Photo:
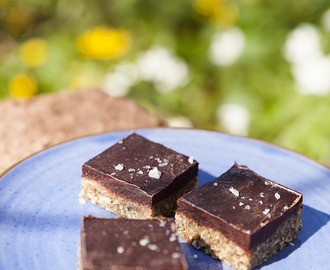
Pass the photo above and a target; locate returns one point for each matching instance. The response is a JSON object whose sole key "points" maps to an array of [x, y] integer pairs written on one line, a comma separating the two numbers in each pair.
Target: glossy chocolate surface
{"points": [[242, 204], [120, 242], [140, 169]]}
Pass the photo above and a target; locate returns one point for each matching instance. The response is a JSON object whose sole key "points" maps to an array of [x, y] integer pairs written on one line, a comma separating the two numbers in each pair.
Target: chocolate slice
{"points": [[138, 178], [120, 243], [241, 217]]}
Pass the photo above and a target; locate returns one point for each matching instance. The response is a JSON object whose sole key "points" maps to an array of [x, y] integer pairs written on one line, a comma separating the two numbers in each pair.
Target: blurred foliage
{"points": [[50, 45]]}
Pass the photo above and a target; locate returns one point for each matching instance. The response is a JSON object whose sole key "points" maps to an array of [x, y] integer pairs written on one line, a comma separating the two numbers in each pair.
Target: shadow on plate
{"points": [[198, 260], [204, 177]]}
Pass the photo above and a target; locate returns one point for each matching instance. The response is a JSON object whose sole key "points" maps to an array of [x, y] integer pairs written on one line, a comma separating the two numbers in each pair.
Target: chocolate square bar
{"points": [[240, 218], [138, 178], [120, 243]]}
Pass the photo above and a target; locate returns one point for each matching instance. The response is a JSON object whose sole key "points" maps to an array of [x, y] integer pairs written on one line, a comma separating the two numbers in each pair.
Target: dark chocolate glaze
{"points": [[136, 157], [120, 242], [243, 205]]}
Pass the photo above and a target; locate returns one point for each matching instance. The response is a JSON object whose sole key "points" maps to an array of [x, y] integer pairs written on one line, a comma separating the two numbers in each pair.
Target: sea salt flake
{"points": [[172, 237], [234, 191], [266, 211], [262, 194], [164, 163], [153, 247], [120, 250], [247, 207], [241, 203], [140, 172], [144, 241], [131, 170], [173, 228], [261, 202], [176, 255], [191, 160], [162, 223], [155, 173], [277, 196], [195, 256], [215, 184], [119, 167]]}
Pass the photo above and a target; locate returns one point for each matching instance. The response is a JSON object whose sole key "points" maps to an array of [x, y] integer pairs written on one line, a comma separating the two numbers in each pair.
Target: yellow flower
{"points": [[104, 42], [23, 85], [218, 11], [206, 7], [224, 15], [33, 52]]}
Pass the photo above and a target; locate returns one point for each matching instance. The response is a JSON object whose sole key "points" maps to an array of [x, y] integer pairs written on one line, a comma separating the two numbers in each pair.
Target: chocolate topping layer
{"points": [[242, 204], [140, 169], [120, 242]]}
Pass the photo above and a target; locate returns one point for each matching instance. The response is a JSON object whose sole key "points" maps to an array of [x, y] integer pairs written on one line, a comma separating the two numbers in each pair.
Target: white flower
{"points": [[179, 121], [227, 46], [119, 82], [167, 71], [235, 118], [326, 20], [309, 65], [302, 43], [313, 76]]}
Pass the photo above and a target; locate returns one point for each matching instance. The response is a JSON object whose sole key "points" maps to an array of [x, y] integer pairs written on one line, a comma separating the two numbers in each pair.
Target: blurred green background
{"points": [[249, 67]]}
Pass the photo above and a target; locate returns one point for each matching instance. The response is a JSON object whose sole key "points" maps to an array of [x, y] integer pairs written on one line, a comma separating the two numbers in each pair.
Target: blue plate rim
{"points": [[166, 128]]}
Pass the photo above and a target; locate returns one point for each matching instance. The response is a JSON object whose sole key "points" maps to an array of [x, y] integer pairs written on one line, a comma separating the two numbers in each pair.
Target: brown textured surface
{"points": [[28, 126]]}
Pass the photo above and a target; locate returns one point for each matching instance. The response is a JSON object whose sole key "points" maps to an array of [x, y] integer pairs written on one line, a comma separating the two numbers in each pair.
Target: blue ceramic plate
{"points": [[40, 213]]}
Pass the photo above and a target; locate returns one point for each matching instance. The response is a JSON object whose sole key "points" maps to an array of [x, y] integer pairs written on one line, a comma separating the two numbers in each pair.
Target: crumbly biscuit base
{"points": [[216, 244], [122, 206], [79, 262]]}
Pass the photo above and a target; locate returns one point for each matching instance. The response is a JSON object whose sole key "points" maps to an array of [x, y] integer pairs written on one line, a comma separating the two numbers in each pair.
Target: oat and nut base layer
{"points": [[220, 247], [122, 206]]}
